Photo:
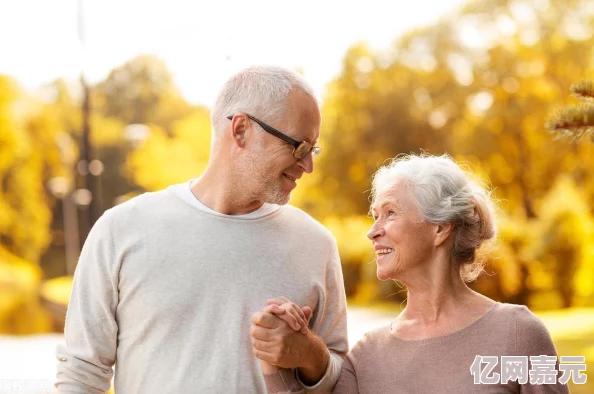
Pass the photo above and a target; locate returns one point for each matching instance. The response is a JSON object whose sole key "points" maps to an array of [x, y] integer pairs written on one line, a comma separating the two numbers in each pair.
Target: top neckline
{"points": [[453, 335]]}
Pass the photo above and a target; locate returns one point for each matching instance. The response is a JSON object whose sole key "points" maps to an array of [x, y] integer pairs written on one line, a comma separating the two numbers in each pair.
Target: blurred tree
{"points": [[367, 118], [563, 246], [166, 159], [110, 142], [29, 157], [141, 91], [353, 246], [576, 121], [476, 85], [20, 308]]}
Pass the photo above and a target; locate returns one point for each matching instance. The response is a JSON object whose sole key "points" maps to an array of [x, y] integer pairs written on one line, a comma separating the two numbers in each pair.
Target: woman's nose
{"points": [[375, 231]]}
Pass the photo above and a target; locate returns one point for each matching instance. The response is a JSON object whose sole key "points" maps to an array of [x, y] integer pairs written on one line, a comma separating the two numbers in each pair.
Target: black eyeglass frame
{"points": [[300, 149]]}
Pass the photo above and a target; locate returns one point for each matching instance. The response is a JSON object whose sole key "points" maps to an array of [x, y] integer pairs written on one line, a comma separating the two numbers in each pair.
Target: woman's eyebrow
{"points": [[386, 203]]}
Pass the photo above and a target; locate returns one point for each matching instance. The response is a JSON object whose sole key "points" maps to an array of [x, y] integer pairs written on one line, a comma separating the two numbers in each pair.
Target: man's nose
{"points": [[306, 163]]}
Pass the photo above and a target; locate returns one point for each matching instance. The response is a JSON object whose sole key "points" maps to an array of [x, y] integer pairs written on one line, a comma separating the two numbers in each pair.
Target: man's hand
{"points": [[277, 344], [275, 341]]}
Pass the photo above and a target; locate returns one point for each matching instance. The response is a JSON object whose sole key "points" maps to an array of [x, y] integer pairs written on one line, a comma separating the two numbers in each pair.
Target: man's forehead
{"points": [[304, 117], [302, 131]]}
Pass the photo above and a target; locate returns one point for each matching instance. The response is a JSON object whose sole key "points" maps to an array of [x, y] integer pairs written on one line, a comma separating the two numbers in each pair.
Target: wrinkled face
{"points": [[271, 168], [403, 242]]}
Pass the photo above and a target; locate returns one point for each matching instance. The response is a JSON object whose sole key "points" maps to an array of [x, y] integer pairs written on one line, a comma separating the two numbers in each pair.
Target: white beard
{"points": [[269, 190]]}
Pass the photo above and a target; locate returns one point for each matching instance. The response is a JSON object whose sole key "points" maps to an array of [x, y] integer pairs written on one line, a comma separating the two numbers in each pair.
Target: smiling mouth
{"points": [[290, 177], [383, 252]]}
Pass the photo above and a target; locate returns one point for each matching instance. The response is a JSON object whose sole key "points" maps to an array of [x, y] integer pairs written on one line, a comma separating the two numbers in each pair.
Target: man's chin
{"points": [[280, 201], [279, 198]]}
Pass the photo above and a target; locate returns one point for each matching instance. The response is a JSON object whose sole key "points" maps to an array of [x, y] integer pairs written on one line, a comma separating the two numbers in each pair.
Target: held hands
{"points": [[290, 312], [280, 334]]}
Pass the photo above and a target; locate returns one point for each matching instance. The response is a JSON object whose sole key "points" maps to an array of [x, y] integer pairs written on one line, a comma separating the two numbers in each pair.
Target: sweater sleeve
{"points": [[347, 383], [85, 362], [283, 382], [533, 339], [330, 324]]}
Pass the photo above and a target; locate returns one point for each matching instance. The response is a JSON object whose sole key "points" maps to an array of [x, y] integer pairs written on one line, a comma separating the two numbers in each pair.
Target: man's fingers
{"points": [[263, 346], [264, 356], [261, 333], [265, 320]]}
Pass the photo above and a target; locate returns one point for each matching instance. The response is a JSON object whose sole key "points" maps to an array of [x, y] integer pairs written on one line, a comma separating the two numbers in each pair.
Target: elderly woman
{"points": [[430, 218]]}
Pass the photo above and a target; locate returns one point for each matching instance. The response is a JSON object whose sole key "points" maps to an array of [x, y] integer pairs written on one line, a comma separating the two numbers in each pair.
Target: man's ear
{"points": [[442, 232], [239, 126]]}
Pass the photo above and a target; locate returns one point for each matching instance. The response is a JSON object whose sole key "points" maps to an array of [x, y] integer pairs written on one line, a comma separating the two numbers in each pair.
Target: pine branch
{"points": [[583, 90], [575, 122]]}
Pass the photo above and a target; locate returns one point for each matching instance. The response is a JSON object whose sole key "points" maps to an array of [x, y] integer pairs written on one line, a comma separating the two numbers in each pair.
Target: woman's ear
{"points": [[442, 232]]}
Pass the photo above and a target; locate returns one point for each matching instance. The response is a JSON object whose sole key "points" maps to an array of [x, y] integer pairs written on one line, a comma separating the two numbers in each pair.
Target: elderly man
{"points": [[169, 283]]}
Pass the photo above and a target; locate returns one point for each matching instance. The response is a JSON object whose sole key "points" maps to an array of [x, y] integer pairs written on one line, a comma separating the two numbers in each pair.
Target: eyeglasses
{"points": [[300, 149]]}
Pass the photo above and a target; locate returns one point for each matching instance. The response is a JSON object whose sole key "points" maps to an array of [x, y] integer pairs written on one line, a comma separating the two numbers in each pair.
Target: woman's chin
{"points": [[389, 271], [383, 275]]}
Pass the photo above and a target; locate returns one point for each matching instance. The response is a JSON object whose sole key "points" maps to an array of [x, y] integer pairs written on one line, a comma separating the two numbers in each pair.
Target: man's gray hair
{"points": [[261, 91], [444, 193]]}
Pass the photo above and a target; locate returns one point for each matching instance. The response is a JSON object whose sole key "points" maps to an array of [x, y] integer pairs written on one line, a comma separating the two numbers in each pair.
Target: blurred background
{"points": [[102, 101]]}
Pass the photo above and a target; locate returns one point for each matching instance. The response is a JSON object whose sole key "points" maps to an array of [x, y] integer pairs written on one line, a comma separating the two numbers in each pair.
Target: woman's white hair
{"points": [[261, 91], [444, 193]]}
